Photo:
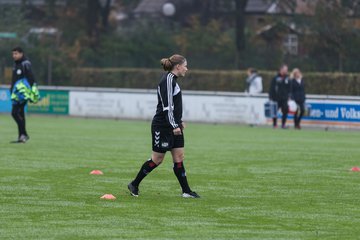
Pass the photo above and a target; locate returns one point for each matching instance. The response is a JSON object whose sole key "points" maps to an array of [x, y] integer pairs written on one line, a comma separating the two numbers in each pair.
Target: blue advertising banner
{"points": [[334, 112], [5, 102], [331, 113]]}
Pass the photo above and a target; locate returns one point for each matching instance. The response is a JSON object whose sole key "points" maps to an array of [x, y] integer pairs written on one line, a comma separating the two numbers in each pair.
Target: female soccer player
{"points": [[167, 127]]}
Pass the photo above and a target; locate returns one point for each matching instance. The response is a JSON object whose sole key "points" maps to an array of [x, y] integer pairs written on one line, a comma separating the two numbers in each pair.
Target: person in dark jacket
{"points": [[167, 127], [22, 79], [298, 95], [280, 92]]}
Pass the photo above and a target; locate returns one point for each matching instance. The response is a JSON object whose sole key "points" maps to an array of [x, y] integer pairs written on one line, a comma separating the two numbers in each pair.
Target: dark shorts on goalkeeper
{"points": [[163, 139]]}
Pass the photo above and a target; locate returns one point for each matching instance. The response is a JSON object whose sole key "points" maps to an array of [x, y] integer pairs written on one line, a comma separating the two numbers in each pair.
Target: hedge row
{"points": [[233, 81]]}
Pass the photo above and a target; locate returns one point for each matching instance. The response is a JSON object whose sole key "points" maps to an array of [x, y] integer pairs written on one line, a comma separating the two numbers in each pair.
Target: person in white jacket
{"points": [[253, 86], [253, 82]]}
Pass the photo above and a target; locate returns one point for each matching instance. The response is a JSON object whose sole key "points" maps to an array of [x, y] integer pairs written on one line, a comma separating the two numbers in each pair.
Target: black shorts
{"points": [[163, 139]]}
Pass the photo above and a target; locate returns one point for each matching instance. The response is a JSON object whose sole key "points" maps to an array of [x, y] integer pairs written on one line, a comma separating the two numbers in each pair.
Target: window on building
{"points": [[291, 42]]}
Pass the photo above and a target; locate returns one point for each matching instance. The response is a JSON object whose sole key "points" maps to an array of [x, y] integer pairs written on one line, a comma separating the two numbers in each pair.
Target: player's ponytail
{"points": [[166, 63], [169, 63]]}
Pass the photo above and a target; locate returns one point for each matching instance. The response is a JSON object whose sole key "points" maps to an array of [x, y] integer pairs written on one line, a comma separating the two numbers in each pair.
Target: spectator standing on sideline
{"points": [[298, 95], [21, 90], [280, 93], [253, 86], [253, 82]]}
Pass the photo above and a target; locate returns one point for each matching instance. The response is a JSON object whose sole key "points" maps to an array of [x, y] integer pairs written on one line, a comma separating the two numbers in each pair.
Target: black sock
{"points": [[283, 121], [146, 168], [274, 122], [180, 173]]}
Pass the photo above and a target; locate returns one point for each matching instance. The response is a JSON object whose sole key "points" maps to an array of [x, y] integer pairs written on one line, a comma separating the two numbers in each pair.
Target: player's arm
{"points": [[183, 125], [166, 94], [259, 84], [28, 72], [291, 89], [272, 89], [12, 84]]}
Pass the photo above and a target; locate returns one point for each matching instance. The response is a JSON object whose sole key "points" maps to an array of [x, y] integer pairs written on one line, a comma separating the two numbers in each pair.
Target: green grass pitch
{"points": [[255, 183]]}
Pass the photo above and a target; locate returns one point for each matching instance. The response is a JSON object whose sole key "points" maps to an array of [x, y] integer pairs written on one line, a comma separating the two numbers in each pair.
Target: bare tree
{"points": [[105, 12], [240, 6], [97, 15]]}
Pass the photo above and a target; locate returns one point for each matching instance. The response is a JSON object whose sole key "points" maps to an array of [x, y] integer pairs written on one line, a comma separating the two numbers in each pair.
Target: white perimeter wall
{"points": [[212, 107], [197, 106]]}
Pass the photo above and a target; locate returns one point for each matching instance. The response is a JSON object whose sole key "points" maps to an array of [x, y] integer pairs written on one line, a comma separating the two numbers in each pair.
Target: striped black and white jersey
{"points": [[169, 107]]}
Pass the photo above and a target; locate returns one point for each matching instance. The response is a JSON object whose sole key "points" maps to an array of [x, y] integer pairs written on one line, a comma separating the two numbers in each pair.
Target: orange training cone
{"points": [[96, 172], [355, 169], [108, 197]]}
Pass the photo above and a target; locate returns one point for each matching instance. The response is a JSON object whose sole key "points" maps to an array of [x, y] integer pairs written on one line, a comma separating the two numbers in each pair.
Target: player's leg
{"points": [[23, 134], [284, 110], [16, 115], [275, 117], [179, 169], [149, 165], [301, 114], [296, 116], [157, 156], [274, 122]]}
